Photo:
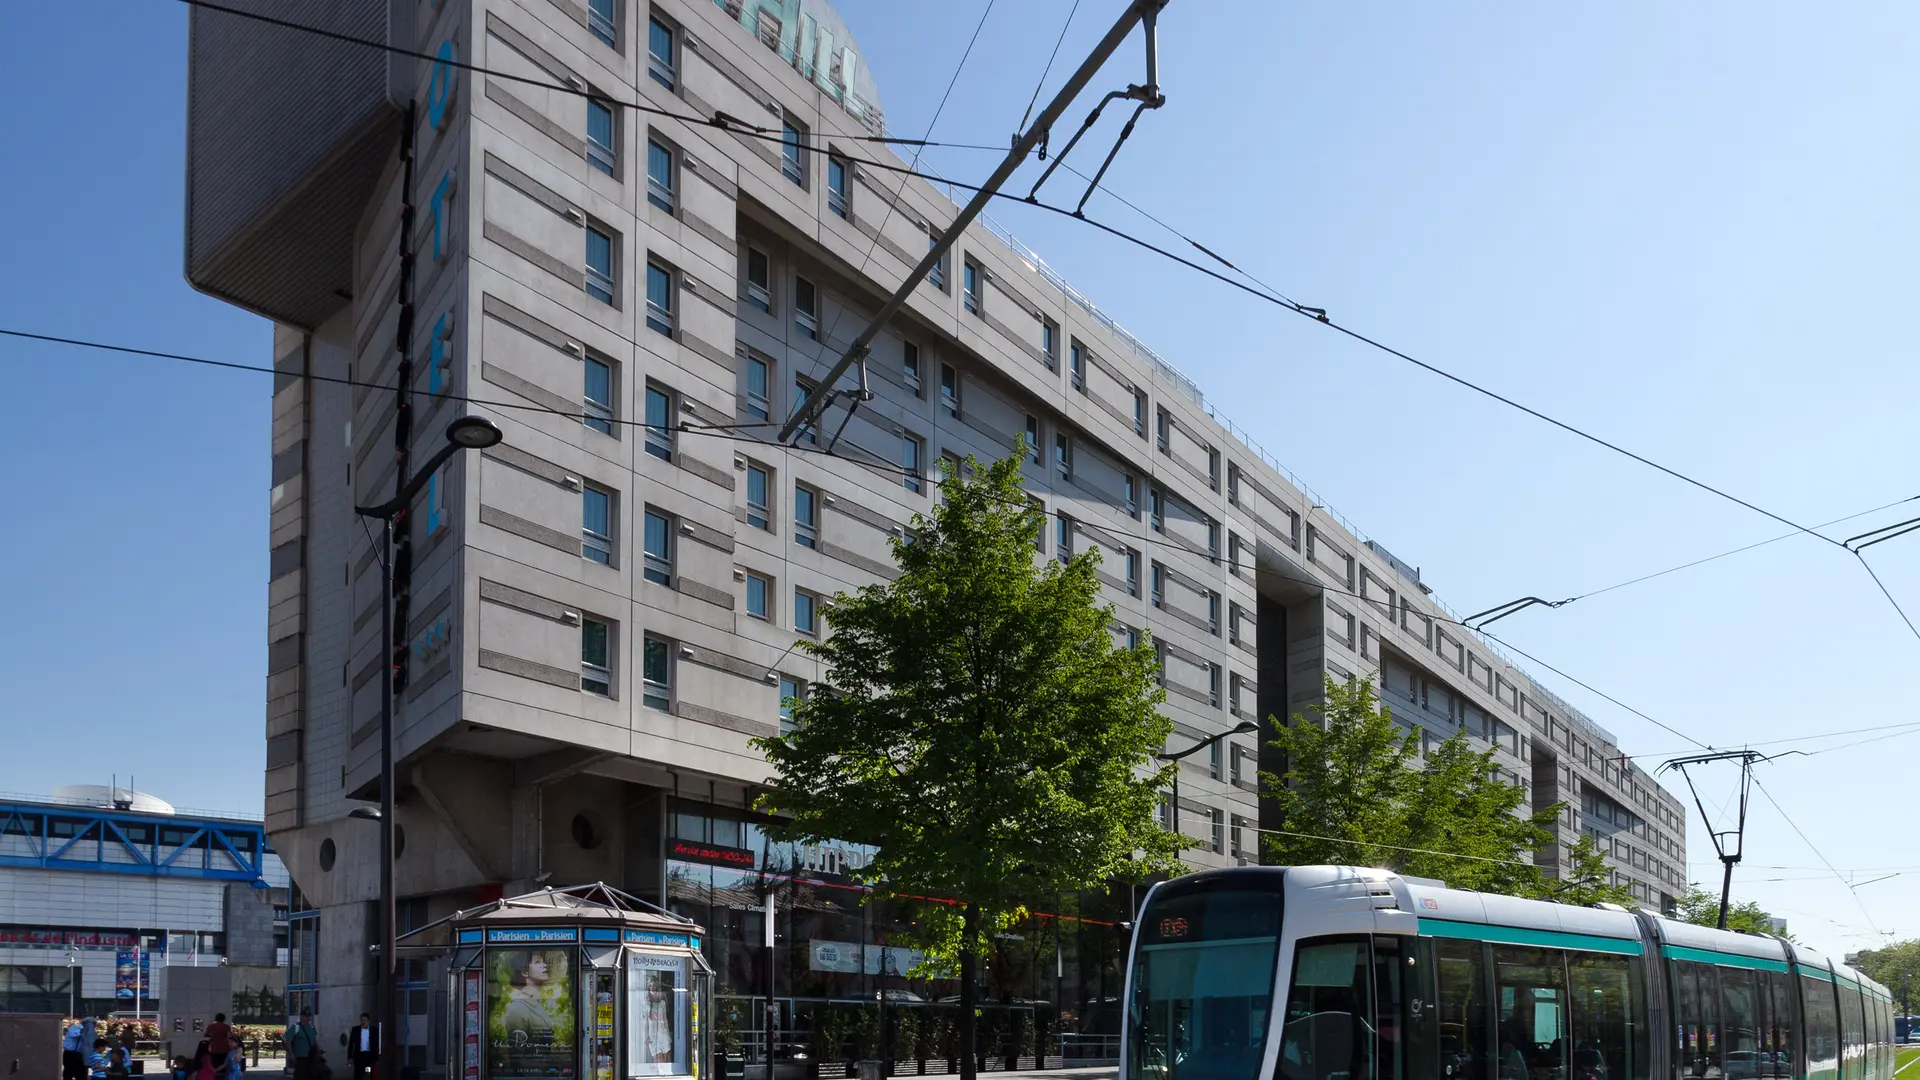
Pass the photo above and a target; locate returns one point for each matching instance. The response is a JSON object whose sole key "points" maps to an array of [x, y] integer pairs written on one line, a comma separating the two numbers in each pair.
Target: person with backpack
{"points": [[303, 1046]]}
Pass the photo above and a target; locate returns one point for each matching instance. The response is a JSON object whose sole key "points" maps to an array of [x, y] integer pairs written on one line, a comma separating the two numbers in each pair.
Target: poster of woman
{"points": [[656, 1009], [530, 1014]]}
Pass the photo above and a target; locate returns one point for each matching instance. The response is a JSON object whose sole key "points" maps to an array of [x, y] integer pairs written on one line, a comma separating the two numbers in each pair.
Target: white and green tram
{"points": [[1337, 973]]}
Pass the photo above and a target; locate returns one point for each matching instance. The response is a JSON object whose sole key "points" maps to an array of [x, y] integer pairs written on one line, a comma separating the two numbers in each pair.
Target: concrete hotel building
{"points": [[598, 616]]}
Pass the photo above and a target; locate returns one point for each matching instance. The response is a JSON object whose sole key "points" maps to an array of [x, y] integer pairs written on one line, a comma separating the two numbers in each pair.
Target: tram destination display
{"points": [[530, 1013]]}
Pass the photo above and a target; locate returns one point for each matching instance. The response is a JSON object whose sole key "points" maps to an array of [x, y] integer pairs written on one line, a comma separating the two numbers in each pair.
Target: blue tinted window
{"points": [[659, 299]]}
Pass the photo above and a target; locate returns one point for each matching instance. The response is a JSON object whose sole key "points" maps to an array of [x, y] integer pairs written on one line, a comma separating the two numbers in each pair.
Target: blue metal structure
{"points": [[125, 842]]}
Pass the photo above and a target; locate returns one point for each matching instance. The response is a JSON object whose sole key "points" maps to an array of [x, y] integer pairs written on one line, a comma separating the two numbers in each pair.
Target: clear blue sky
{"points": [[1687, 228]]}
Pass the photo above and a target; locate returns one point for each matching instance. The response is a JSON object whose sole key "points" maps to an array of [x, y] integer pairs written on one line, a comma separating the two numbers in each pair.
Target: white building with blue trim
{"points": [[100, 886]]}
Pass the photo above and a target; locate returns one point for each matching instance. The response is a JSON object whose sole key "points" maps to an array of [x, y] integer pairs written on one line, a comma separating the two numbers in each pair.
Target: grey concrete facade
{"points": [[514, 767]]}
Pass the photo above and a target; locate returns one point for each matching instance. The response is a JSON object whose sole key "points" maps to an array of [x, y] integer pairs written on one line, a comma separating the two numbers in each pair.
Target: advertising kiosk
{"points": [[583, 983]]}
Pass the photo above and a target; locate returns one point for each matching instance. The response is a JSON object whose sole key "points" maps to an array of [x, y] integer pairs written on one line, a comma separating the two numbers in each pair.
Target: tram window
{"points": [[1823, 1028], [1390, 960], [1203, 984], [1609, 1039], [1853, 1034], [1462, 1008], [1780, 1022], [1696, 990], [1531, 985], [1740, 1022], [1326, 1033]]}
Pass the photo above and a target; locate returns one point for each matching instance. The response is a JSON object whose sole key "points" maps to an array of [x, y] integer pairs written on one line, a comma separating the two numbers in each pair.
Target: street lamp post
{"points": [[1245, 727], [73, 987], [464, 433]]}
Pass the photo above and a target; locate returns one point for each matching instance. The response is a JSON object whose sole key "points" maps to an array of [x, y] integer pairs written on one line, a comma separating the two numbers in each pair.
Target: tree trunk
{"points": [[968, 993]]}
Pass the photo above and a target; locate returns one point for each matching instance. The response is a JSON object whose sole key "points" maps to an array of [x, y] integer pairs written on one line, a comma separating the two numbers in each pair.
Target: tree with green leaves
{"points": [[1896, 967], [1358, 791], [1702, 908], [980, 726]]}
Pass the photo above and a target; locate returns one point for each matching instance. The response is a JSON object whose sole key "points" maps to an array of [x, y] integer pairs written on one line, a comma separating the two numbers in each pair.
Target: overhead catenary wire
{"points": [[1041, 83], [741, 128], [717, 120], [873, 244], [1855, 893], [878, 465]]}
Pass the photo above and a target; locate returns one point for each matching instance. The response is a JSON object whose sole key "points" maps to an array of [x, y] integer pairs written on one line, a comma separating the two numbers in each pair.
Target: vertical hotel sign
{"points": [[470, 1027]]}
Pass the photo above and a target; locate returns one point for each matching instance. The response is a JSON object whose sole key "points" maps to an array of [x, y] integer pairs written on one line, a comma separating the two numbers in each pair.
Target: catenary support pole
{"points": [[1148, 94]]}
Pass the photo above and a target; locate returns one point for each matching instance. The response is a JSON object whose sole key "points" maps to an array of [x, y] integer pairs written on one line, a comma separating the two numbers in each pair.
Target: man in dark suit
{"points": [[363, 1047]]}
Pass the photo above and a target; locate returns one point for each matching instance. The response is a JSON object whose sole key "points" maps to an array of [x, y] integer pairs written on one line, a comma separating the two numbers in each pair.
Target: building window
{"points": [[759, 596], [1213, 469], [599, 265], [1050, 344], [1213, 540], [659, 175], [603, 20], [659, 423], [1063, 455], [837, 185], [911, 450], [792, 693], [1133, 638], [805, 618], [596, 657], [806, 313], [950, 389], [1159, 584], [1213, 613], [1233, 624], [1140, 413], [802, 390], [1156, 510], [660, 52], [970, 296], [656, 673], [759, 514], [1037, 518], [1213, 685], [598, 396], [938, 274], [596, 525], [1063, 538], [1219, 829], [759, 280], [600, 136], [1033, 439], [1239, 848], [793, 163], [1077, 365], [805, 515], [659, 299], [657, 543], [1235, 775], [758, 378], [1217, 760], [1133, 573], [910, 367], [1130, 494]]}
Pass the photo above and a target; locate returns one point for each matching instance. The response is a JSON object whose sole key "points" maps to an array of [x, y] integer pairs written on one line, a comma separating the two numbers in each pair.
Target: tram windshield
{"points": [[1203, 984]]}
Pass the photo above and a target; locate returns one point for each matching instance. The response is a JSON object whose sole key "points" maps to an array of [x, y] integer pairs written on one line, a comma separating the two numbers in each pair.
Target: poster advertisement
{"points": [[470, 1027], [530, 1013], [132, 974], [657, 1020]]}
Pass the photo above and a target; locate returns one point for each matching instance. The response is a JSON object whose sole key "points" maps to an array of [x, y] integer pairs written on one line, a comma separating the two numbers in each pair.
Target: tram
{"points": [[1373, 977]]}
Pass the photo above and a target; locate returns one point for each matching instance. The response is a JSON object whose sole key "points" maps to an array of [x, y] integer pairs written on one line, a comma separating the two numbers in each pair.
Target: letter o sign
{"points": [[440, 87]]}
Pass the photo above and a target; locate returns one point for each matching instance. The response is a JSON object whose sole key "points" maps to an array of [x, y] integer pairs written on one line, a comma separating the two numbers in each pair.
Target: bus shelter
{"points": [[582, 983]]}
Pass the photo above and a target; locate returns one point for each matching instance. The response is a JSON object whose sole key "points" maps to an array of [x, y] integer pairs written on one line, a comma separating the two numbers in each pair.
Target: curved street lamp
{"points": [[464, 433], [1245, 727]]}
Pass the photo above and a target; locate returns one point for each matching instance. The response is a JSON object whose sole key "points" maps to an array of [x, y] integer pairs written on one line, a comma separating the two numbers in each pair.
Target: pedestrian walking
{"points": [[303, 1046], [219, 1041], [73, 1052], [363, 1047]]}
